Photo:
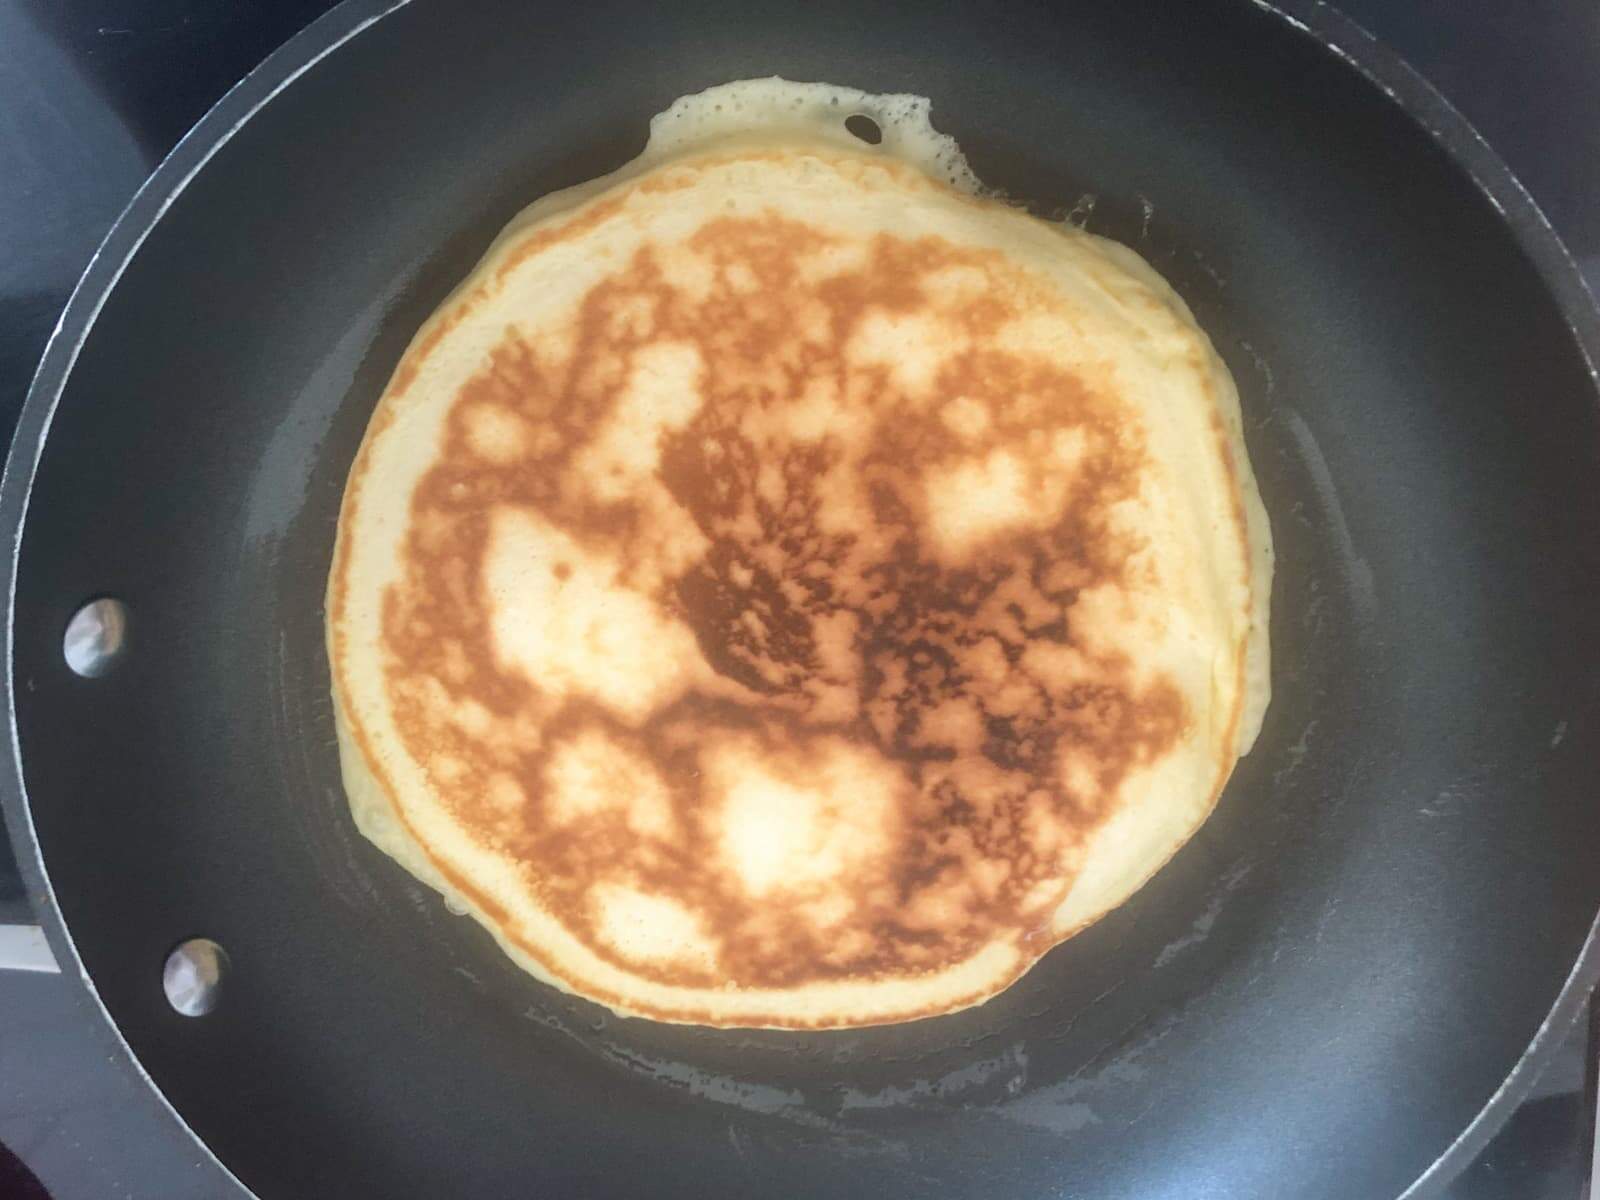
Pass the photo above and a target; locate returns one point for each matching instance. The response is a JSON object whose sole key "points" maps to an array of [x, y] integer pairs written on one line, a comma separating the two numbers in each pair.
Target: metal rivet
{"points": [[96, 637], [192, 976]]}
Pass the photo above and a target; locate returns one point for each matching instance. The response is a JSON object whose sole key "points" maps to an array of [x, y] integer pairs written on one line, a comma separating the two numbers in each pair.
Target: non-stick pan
{"points": [[1335, 991]]}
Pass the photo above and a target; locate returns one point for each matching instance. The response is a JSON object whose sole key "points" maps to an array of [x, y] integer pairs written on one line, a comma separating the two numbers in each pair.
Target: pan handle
{"points": [[24, 948]]}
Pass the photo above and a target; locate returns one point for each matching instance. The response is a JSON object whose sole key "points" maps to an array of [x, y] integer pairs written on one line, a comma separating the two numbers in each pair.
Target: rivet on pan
{"points": [[96, 637], [193, 975]]}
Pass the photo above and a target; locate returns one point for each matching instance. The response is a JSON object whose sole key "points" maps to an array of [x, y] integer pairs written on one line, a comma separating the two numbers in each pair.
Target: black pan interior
{"points": [[1313, 999]]}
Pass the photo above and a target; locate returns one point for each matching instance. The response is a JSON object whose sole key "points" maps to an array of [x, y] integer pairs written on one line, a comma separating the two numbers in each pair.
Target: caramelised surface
{"points": [[750, 626]]}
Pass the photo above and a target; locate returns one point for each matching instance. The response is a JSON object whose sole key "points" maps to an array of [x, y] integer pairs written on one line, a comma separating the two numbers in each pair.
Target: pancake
{"points": [[784, 586]]}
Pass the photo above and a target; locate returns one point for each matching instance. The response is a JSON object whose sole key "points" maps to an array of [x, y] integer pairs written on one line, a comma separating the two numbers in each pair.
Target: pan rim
{"points": [[1418, 100], [1424, 104], [317, 41]]}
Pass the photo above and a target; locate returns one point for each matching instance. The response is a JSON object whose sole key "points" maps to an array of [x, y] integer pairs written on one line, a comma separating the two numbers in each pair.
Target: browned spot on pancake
{"points": [[889, 734], [416, 354]]}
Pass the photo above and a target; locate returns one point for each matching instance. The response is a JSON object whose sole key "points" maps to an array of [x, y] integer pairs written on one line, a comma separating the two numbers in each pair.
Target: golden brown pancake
{"points": [[784, 587]]}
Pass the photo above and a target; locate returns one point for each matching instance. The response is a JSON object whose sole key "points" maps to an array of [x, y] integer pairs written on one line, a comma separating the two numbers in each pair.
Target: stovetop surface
{"points": [[94, 92]]}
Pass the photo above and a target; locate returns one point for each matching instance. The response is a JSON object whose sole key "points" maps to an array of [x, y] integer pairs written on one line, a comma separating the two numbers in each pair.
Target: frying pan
{"points": [[1337, 989]]}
